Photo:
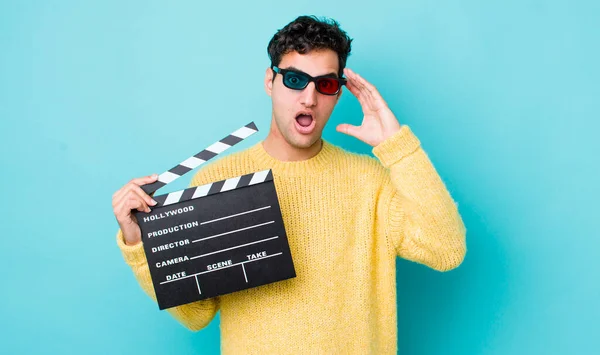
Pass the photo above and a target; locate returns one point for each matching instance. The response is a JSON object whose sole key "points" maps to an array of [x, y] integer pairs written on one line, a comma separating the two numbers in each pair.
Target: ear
{"points": [[269, 81]]}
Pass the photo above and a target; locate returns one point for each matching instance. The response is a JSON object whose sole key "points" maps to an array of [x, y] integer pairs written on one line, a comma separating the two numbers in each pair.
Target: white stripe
{"points": [[243, 132], [173, 197], [230, 184], [235, 215], [221, 268], [235, 247], [201, 191], [233, 231], [259, 177], [192, 162], [245, 277], [218, 147], [197, 283], [167, 177]]}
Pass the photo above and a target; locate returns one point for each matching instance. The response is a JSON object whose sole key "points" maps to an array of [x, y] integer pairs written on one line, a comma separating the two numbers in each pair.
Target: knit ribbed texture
{"points": [[347, 217]]}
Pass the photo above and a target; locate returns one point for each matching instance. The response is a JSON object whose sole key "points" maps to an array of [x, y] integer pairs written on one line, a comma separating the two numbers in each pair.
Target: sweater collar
{"points": [[316, 164]]}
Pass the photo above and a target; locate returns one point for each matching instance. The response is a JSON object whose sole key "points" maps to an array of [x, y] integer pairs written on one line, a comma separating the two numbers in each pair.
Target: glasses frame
{"points": [[277, 70]]}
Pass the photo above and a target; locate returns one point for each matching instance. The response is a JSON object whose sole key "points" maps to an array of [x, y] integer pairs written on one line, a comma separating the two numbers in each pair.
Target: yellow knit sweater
{"points": [[347, 217]]}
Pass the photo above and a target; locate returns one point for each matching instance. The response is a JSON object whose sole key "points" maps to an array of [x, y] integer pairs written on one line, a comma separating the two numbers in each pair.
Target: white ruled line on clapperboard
{"points": [[222, 268], [250, 230]]}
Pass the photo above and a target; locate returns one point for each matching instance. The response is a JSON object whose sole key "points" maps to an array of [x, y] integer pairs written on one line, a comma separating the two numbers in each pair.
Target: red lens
{"points": [[328, 86]]}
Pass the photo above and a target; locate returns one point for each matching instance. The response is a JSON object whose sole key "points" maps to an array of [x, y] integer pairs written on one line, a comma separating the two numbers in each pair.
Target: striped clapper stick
{"points": [[214, 239], [195, 161]]}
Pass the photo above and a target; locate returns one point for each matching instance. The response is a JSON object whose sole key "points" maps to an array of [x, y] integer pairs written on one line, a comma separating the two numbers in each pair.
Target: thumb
{"points": [[349, 129]]}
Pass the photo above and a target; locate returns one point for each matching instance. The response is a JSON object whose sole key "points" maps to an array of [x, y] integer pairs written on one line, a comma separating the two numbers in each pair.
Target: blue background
{"points": [[504, 96]]}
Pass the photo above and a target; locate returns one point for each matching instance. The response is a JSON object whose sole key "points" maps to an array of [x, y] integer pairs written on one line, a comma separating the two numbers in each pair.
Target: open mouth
{"points": [[305, 122]]}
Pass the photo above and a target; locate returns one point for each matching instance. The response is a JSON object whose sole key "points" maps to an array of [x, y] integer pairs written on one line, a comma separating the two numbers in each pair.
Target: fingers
{"points": [[354, 81], [366, 93], [134, 203], [348, 129], [119, 195], [145, 180], [350, 84], [361, 83], [135, 192], [132, 197], [143, 195], [123, 210], [135, 199]]}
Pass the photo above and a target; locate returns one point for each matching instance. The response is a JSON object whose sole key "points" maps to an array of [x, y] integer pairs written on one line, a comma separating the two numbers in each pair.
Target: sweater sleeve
{"points": [[195, 315], [422, 220]]}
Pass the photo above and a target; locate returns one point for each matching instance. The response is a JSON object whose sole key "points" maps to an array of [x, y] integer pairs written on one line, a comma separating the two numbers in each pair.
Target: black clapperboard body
{"points": [[217, 238]]}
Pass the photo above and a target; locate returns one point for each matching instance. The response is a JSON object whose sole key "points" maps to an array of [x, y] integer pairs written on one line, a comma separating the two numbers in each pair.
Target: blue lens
{"points": [[295, 80]]}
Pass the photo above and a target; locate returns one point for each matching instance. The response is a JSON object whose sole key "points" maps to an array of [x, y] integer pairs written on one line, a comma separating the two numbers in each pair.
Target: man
{"points": [[347, 216]]}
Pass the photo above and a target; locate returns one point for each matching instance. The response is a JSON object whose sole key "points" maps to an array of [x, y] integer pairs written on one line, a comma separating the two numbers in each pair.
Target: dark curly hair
{"points": [[308, 33]]}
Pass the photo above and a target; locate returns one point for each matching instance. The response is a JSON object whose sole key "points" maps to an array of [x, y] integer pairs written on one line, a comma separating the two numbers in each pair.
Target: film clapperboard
{"points": [[217, 238]]}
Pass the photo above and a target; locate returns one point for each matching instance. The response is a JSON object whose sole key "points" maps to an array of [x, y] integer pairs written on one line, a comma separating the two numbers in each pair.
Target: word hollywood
{"points": [[169, 213]]}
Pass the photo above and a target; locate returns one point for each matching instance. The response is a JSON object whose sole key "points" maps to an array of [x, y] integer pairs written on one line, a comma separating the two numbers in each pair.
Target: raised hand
{"points": [[379, 122]]}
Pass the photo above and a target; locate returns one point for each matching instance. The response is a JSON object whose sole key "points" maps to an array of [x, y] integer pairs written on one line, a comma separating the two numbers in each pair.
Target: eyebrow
{"points": [[301, 71]]}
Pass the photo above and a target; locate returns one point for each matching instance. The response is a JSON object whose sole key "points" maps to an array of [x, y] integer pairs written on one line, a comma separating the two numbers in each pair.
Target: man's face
{"points": [[299, 116]]}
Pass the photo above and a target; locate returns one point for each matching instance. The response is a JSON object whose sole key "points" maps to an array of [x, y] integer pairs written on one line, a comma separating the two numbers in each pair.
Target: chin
{"points": [[303, 142], [302, 145]]}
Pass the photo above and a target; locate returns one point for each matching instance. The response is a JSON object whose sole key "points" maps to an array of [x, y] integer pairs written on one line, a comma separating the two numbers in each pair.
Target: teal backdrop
{"points": [[504, 96]]}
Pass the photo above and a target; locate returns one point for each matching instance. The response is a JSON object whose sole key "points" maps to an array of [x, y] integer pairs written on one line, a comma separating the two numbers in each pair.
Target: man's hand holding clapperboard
{"points": [[208, 240]]}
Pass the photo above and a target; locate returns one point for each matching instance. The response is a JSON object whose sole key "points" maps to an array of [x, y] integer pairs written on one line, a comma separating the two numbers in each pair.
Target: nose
{"points": [[309, 95]]}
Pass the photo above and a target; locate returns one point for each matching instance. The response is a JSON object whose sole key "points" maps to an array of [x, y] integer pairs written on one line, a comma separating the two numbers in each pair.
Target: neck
{"points": [[278, 148]]}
